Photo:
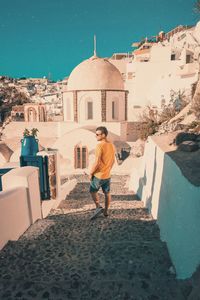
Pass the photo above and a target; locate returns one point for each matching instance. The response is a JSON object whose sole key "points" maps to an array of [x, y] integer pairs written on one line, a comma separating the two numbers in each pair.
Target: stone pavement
{"points": [[67, 256]]}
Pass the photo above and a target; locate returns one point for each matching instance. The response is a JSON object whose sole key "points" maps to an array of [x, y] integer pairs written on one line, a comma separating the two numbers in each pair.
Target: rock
{"points": [[185, 136], [188, 146], [172, 270], [198, 138]]}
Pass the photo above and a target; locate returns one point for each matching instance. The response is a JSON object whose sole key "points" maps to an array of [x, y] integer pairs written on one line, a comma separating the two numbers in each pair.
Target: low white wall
{"points": [[175, 203], [52, 129], [14, 214], [26, 177], [65, 189], [20, 204]]}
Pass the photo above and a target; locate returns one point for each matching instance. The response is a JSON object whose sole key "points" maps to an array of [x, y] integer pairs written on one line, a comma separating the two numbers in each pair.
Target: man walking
{"points": [[100, 171]]}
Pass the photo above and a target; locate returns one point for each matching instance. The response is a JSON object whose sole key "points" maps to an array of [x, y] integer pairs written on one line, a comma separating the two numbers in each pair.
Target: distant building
{"points": [[35, 112], [17, 113], [166, 63], [29, 112]]}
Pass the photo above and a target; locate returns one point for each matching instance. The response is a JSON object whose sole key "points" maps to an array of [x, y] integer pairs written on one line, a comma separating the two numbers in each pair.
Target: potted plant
{"points": [[29, 144]]}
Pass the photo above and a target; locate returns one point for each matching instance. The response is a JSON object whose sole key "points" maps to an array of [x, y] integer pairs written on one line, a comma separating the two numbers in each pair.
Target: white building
{"points": [[95, 93], [168, 64]]}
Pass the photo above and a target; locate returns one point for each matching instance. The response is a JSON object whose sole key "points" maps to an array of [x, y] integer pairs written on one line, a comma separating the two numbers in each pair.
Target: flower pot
{"points": [[29, 146]]}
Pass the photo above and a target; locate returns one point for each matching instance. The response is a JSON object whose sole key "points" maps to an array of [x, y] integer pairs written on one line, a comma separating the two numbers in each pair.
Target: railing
{"points": [[42, 164]]}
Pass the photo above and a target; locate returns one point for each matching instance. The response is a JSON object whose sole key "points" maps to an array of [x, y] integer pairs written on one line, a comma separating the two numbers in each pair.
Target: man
{"points": [[100, 171]]}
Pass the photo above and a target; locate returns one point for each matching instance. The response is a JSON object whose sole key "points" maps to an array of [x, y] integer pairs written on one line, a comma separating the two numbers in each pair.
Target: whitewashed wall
{"points": [[175, 203], [119, 97], [82, 98], [68, 106], [20, 204]]}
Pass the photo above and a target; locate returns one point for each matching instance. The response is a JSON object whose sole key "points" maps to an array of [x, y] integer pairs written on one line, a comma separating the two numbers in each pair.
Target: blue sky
{"points": [[44, 37]]}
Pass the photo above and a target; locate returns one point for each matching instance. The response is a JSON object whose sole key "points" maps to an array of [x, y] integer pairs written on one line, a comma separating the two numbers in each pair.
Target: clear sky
{"points": [[42, 37]]}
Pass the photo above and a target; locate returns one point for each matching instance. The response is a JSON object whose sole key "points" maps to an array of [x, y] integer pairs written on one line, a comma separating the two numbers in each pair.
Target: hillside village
{"points": [[159, 76], [165, 65]]}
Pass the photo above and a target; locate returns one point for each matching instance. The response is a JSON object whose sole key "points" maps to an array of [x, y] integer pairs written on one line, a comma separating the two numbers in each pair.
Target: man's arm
{"points": [[94, 167], [97, 162]]}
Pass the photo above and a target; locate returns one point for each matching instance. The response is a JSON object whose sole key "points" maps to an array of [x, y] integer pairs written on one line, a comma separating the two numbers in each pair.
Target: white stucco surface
{"points": [[68, 106], [26, 177], [2, 160], [14, 214], [95, 73], [174, 202], [119, 98], [19, 203], [82, 99]]}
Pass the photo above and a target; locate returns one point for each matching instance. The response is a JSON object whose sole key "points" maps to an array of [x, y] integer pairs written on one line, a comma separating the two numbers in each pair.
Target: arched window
{"points": [[80, 157]]}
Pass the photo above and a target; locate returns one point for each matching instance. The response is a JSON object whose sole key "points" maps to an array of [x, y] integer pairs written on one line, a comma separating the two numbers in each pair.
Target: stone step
{"points": [[39, 260], [66, 228], [68, 256], [137, 265], [90, 289]]}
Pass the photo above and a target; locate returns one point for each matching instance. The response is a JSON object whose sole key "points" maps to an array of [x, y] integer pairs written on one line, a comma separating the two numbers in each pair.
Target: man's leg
{"points": [[107, 202], [98, 209], [95, 198]]}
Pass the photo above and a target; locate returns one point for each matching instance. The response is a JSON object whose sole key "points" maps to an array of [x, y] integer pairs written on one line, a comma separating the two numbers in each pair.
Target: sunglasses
{"points": [[97, 134]]}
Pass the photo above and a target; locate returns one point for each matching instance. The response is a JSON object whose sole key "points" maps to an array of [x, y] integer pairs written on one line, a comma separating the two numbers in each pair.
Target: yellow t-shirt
{"points": [[105, 152]]}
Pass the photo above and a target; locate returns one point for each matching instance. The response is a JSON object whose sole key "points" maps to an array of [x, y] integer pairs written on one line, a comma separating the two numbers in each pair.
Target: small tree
{"points": [[149, 124], [33, 132], [177, 102]]}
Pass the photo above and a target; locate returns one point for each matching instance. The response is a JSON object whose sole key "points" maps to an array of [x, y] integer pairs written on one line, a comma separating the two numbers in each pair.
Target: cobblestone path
{"points": [[67, 256]]}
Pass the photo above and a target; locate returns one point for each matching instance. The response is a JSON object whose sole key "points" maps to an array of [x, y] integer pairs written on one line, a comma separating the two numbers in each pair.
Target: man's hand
{"points": [[90, 177]]}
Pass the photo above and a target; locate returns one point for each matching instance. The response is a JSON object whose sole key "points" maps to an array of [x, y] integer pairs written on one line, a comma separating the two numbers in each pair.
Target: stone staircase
{"points": [[67, 256]]}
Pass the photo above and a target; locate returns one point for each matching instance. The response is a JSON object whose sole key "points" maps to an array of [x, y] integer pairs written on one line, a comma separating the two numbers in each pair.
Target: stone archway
{"points": [[32, 114], [42, 114]]}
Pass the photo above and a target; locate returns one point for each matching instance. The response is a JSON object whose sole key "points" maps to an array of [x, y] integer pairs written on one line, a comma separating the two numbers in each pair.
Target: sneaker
{"points": [[97, 212], [105, 214]]}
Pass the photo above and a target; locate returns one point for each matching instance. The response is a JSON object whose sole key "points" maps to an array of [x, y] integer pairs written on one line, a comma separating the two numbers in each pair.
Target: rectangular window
{"points": [[90, 110], [173, 57], [113, 109], [78, 158], [83, 158], [188, 58]]}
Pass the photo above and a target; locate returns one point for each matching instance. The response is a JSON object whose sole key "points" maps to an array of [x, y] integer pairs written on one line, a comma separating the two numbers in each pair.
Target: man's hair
{"points": [[103, 130]]}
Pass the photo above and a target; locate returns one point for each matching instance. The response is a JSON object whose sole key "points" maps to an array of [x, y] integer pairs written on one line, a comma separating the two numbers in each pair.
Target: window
{"points": [[89, 110], [173, 57], [114, 110], [84, 157], [80, 157], [188, 58]]}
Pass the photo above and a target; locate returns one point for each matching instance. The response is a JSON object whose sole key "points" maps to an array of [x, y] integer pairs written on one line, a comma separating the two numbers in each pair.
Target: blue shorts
{"points": [[97, 183]]}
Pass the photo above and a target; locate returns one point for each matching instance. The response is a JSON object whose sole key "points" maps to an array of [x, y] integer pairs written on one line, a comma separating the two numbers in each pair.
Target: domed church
{"points": [[95, 93]]}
